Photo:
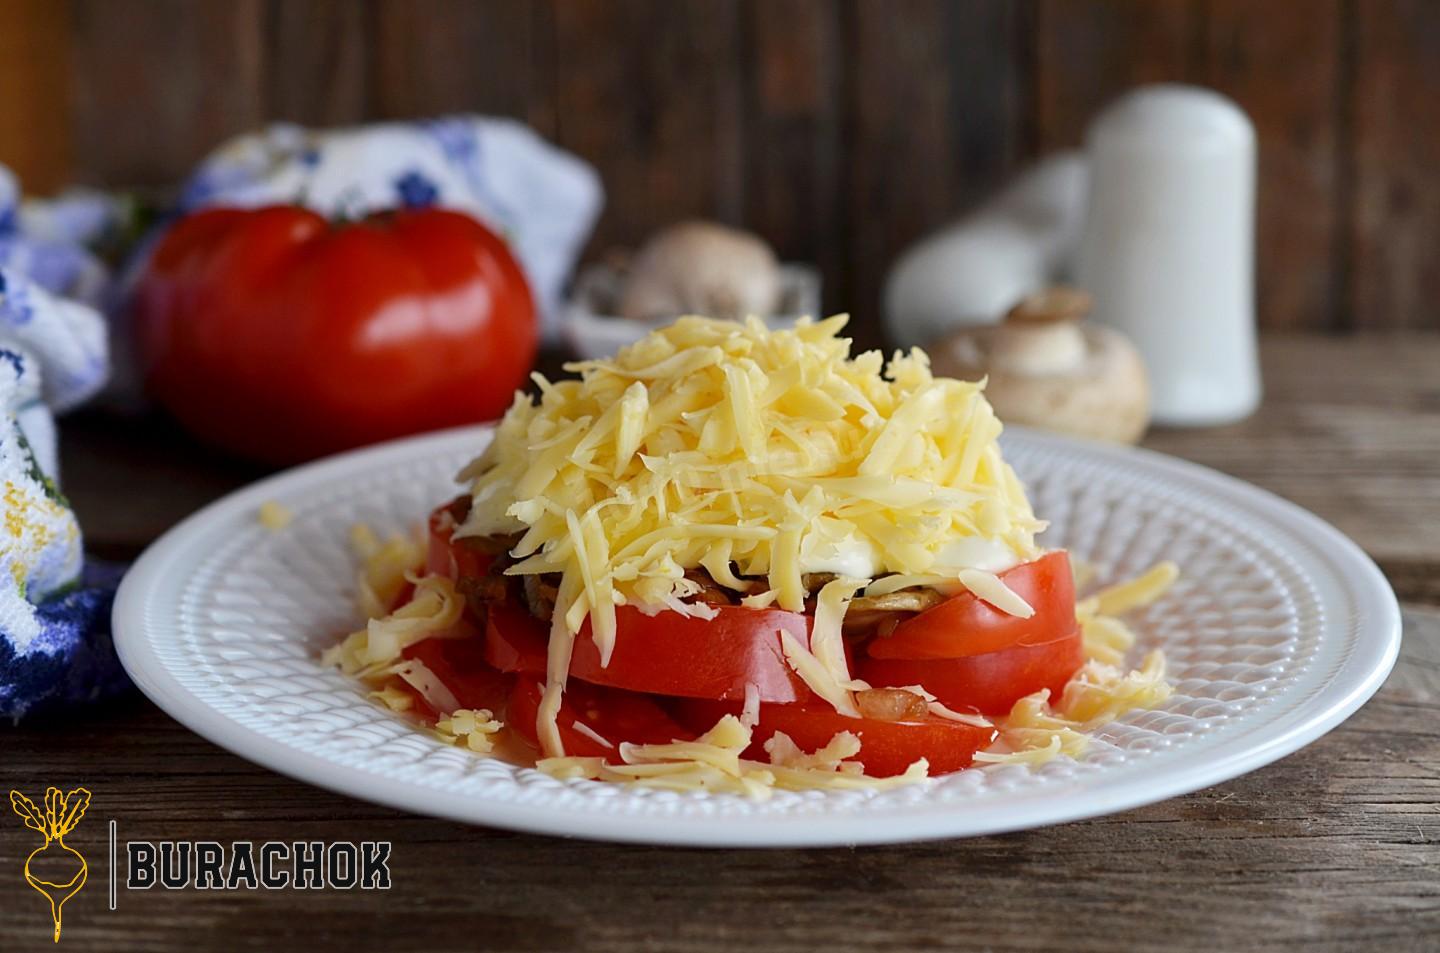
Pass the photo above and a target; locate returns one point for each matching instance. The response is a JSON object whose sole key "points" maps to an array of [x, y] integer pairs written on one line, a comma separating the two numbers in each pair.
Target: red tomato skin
{"points": [[966, 625], [278, 335], [515, 641], [664, 654], [614, 715], [887, 748], [450, 557], [459, 663], [990, 683], [672, 654]]}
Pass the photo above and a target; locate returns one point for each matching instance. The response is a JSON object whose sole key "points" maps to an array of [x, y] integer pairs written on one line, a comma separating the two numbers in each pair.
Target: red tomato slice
{"points": [[459, 664], [613, 715], [515, 641], [447, 556], [967, 625], [673, 654], [665, 654], [991, 682], [887, 748]]}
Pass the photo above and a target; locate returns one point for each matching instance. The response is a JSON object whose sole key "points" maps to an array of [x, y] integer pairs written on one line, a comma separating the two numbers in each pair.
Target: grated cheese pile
{"points": [[472, 728], [756, 454], [373, 652], [384, 567], [712, 763], [749, 452]]}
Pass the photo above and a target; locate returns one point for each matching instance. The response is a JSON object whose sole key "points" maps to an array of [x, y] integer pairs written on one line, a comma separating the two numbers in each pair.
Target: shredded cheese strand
{"points": [[713, 763]]}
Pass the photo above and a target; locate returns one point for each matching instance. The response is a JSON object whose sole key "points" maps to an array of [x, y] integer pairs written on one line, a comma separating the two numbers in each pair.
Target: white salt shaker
{"points": [[1168, 247]]}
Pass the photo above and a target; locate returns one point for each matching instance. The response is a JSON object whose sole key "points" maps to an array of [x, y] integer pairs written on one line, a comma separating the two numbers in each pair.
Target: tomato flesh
{"points": [[515, 641], [615, 716], [990, 683], [967, 625], [967, 653], [459, 664], [673, 654], [887, 748], [664, 654], [447, 556]]}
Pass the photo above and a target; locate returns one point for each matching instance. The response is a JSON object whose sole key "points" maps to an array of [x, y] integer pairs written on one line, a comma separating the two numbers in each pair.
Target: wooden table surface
{"points": [[1335, 848]]}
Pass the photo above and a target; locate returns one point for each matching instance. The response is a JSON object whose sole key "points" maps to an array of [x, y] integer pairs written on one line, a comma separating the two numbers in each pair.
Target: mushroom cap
{"points": [[704, 268], [1103, 396]]}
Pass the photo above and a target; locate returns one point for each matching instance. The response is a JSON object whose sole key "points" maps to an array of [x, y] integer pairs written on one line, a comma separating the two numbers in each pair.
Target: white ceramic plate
{"points": [[1279, 629]]}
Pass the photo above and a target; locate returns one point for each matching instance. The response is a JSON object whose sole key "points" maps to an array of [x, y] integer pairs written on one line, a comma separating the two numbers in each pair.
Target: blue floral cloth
{"points": [[47, 241], [54, 631], [542, 199]]}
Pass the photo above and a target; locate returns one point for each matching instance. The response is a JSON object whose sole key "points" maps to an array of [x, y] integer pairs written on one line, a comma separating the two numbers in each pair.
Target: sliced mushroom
{"points": [[890, 704], [917, 599]]}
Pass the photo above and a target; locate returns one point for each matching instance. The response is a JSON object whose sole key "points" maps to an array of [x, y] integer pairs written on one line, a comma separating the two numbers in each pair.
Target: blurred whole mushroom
{"points": [[702, 268], [1047, 369]]}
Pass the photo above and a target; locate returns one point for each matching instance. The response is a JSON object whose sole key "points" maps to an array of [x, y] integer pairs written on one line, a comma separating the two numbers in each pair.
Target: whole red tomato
{"points": [[280, 335]]}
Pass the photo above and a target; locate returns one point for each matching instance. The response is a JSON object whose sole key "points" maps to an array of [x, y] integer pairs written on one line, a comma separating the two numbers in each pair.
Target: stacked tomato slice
{"points": [[671, 676]]}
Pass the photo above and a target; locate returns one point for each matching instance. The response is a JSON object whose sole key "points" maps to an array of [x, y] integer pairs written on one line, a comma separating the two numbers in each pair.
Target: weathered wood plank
{"points": [[936, 120], [650, 92], [1350, 429], [1330, 850], [317, 69], [450, 56], [1281, 62], [1087, 54], [792, 121], [34, 92], [1395, 109], [158, 85]]}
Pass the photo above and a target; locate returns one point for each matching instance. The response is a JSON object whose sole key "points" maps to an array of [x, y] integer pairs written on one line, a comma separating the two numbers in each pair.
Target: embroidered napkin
{"points": [[54, 632]]}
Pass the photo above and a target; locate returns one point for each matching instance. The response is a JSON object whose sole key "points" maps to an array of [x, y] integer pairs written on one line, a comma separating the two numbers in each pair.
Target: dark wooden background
{"points": [[840, 129]]}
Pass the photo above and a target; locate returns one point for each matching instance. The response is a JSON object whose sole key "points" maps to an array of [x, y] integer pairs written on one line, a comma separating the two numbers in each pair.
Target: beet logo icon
{"points": [[55, 870]]}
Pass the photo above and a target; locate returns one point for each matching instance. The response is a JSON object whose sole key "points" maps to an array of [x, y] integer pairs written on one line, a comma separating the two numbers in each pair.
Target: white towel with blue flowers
{"points": [[542, 199], [53, 355]]}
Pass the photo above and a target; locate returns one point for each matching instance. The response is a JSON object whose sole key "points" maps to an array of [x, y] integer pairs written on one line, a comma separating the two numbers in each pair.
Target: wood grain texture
{"points": [[1331, 850], [452, 56], [650, 92], [841, 130], [317, 57], [34, 92], [1282, 61], [1396, 116], [157, 85], [934, 125], [793, 118], [1089, 53], [1350, 429]]}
